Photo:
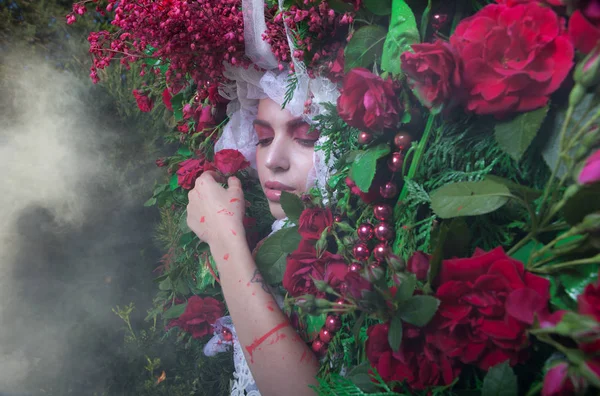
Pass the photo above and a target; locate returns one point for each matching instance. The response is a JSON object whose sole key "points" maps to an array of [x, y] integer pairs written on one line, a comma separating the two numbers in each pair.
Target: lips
{"points": [[273, 190]]}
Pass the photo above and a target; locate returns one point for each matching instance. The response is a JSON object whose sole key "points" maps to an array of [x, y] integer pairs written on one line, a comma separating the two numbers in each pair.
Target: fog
{"points": [[75, 239]]}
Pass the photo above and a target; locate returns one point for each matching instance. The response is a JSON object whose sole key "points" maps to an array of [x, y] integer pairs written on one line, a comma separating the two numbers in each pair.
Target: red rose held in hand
{"points": [[229, 161], [488, 302], [368, 102], [513, 57], [189, 171], [200, 313], [417, 362], [144, 102], [313, 222], [433, 73]]}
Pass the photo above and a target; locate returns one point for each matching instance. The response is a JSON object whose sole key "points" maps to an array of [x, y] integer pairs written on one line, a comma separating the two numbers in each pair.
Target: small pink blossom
{"points": [[591, 170]]}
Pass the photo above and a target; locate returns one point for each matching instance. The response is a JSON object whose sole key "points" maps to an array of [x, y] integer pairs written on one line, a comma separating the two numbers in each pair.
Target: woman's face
{"points": [[284, 154]]}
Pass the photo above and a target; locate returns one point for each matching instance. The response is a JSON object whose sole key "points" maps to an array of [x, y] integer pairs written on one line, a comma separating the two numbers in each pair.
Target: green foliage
{"points": [[292, 206], [272, 254], [364, 165], [500, 381], [468, 198], [401, 34], [365, 47], [515, 136]]}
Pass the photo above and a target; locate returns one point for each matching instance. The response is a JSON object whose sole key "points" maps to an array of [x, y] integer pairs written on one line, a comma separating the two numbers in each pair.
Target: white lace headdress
{"points": [[264, 79]]}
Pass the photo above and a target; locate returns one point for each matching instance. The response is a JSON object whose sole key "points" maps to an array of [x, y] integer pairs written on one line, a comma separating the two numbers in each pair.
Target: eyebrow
{"points": [[290, 124]]}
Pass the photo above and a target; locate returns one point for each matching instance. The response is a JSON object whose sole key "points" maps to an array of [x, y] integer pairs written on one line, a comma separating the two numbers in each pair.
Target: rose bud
{"points": [[587, 72]]}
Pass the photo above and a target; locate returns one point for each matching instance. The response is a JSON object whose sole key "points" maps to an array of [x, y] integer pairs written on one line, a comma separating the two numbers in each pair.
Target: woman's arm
{"points": [[280, 361]]}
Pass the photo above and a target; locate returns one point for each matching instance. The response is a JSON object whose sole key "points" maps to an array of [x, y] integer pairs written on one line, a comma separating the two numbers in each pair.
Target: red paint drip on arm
{"points": [[226, 257], [202, 219], [233, 232], [252, 347], [234, 200]]}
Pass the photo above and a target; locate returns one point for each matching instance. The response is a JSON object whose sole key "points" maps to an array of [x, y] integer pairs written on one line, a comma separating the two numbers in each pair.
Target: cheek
{"points": [[260, 163], [303, 161]]}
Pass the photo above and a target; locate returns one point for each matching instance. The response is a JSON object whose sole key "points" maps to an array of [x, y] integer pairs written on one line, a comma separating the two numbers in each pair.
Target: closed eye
{"points": [[306, 142], [264, 142]]}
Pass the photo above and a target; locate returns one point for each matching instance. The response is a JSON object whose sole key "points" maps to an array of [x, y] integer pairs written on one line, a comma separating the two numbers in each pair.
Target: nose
{"points": [[278, 157]]}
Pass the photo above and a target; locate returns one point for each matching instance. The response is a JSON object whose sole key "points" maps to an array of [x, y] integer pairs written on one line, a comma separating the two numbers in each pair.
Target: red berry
{"points": [[355, 267], [227, 336], [361, 251], [384, 232], [325, 335], [333, 323], [365, 138], [381, 252], [318, 347], [396, 161], [383, 212], [365, 231], [388, 190], [402, 140]]}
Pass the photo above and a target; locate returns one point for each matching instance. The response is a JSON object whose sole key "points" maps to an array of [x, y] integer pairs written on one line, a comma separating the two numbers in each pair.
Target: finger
{"points": [[213, 175], [234, 182]]}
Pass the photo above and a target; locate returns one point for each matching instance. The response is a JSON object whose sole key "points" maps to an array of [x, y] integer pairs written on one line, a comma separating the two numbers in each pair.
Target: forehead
{"points": [[270, 112]]}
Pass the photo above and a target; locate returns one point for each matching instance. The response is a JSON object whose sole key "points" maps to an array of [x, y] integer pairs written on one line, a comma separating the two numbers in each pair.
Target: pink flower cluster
{"points": [[196, 36], [320, 23]]}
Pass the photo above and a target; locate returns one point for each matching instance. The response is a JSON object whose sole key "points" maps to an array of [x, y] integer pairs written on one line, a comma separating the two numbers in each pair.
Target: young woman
{"points": [[280, 361]]}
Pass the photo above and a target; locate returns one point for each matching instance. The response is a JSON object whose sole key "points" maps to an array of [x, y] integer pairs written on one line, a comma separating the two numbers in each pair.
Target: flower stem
{"points": [[563, 132], [590, 260], [414, 166]]}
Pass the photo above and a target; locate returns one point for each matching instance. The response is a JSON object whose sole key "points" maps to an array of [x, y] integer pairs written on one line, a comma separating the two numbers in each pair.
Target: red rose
{"points": [[488, 302], [511, 3], [302, 267], [589, 301], [590, 173], [313, 222], [513, 57], [189, 171], [558, 382], [144, 102], [204, 118], [336, 67], [166, 97], [418, 264], [357, 285], [433, 73], [229, 161], [336, 270], [416, 362], [368, 102], [200, 313]]}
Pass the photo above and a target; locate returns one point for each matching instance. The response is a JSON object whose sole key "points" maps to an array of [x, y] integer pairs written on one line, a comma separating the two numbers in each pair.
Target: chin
{"points": [[276, 210]]}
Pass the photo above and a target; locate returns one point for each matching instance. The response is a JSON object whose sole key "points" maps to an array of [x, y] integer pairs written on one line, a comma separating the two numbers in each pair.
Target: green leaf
{"points": [[184, 152], [515, 136], [395, 333], [425, 20], [177, 103], [271, 258], [468, 198], [365, 47], [500, 381], [457, 242], [527, 193], [173, 183], [526, 250], [401, 35], [583, 202], [405, 290], [339, 6], [575, 281], [150, 202], [359, 375], [165, 284], [292, 206], [379, 7], [418, 310], [364, 166], [175, 311]]}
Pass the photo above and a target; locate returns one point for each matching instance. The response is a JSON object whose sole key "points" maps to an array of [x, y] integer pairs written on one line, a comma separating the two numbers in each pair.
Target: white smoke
{"points": [[53, 168]]}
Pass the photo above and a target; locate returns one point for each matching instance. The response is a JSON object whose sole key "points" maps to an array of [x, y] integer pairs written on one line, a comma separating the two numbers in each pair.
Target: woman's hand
{"points": [[216, 213]]}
